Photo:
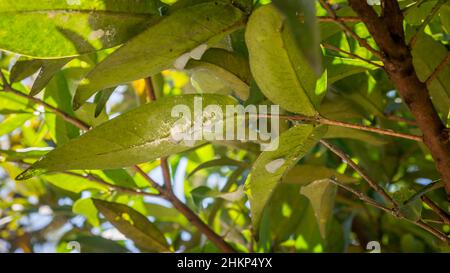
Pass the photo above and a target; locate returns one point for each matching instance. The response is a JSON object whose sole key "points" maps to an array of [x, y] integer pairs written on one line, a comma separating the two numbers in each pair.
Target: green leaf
{"points": [[24, 68], [230, 71], [271, 166], [425, 63], [138, 136], [13, 104], [58, 95], [157, 48], [67, 28], [12, 122], [29, 153], [101, 99], [86, 113], [349, 133], [48, 69], [339, 67], [306, 31], [73, 183], [321, 194], [278, 65], [134, 226], [224, 161], [87, 208], [306, 173], [412, 209], [202, 192]]}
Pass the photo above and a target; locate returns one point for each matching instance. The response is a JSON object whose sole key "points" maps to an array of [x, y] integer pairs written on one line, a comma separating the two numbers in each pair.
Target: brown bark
{"points": [[387, 30]]}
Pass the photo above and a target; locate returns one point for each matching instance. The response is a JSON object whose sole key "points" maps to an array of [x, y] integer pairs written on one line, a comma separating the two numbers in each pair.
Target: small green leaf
{"points": [[138, 136], [86, 113], [339, 67], [321, 194], [271, 166], [63, 28], [73, 183], [12, 122], [202, 192], [24, 68], [224, 161], [29, 153], [47, 70], [230, 71], [101, 99], [87, 208], [425, 63], [57, 94], [157, 48], [134, 226], [306, 173], [278, 65], [412, 209]]}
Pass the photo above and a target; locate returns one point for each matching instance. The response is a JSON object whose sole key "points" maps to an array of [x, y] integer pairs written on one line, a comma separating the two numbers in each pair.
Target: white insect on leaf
{"points": [[274, 165]]}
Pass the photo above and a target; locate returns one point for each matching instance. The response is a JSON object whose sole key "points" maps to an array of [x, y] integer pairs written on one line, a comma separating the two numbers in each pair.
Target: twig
{"points": [[427, 20], [78, 123], [166, 174], [328, 19], [337, 49], [363, 197], [438, 69], [439, 211], [395, 209], [348, 30], [112, 187], [149, 88], [374, 185], [325, 121]]}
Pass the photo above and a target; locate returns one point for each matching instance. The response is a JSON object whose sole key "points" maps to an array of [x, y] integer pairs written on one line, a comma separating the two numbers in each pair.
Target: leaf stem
{"points": [[438, 69], [326, 121], [78, 123]]}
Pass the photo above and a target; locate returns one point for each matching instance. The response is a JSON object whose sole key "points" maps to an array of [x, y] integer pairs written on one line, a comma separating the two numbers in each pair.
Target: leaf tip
{"points": [[29, 173]]}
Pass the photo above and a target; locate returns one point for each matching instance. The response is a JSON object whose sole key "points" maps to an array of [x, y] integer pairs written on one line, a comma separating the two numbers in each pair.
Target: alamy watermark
{"points": [[230, 122]]}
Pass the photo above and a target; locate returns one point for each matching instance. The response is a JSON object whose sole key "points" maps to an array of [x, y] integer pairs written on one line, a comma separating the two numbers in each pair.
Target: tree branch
{"points": [[394, 210], [389, 35]]}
